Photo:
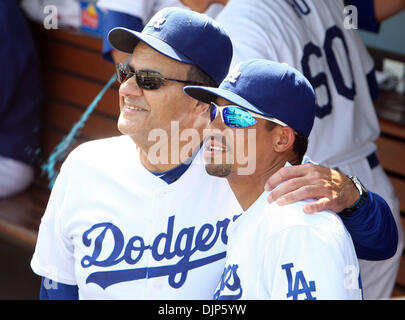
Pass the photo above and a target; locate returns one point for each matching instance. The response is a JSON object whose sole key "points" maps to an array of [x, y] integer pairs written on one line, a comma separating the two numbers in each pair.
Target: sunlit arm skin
{"points": [[383, 9], [386, 9]]}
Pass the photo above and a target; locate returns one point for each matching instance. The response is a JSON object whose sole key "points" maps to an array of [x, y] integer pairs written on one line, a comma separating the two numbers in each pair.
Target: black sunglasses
{"points": [[145, 79]]}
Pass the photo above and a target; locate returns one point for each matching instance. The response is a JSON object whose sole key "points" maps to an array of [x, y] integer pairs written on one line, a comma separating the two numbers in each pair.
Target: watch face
{"points": [[359, 185], [362, 198]]}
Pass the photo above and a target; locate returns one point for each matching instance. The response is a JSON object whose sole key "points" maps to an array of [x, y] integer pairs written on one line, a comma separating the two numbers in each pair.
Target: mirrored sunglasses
{"points": [[237, 117]]}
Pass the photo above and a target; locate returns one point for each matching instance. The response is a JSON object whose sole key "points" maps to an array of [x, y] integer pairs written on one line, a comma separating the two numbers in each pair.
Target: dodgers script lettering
{"points": [[181, 246]]}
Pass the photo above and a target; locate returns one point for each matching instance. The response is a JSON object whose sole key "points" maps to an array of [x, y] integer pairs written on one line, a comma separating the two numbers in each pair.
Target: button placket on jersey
{"points": [[158, 225]]}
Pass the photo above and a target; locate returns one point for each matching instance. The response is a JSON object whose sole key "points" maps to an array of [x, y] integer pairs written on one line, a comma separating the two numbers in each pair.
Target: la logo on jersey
{"points": [[298, 286], [230, 287]]}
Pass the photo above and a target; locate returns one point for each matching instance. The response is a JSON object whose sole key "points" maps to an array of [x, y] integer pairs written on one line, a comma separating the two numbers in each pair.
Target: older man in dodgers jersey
{"points": [[310, 36], [274, 252], [119, 225]]}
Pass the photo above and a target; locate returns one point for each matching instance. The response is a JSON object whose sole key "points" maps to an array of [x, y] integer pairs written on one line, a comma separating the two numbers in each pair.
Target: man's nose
{"points": [[218, 123], [130, 88]]}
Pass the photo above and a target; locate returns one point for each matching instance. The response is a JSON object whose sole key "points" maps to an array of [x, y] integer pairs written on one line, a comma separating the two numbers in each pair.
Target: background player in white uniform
{"points": [[310, 36], [274, 252]]}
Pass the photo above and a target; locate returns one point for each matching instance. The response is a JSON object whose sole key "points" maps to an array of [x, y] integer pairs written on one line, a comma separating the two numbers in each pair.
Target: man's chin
{"points": [[129, 128], [218, 170]]}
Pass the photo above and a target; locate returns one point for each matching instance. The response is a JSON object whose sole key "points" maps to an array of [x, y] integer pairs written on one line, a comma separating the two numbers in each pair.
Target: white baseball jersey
{"points": [[145, 9], [119, 232], [282, 253], [310, 36]]}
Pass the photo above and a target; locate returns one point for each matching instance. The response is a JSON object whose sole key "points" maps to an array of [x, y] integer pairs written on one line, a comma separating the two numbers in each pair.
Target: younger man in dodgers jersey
{"points": [[292, 255], [273, 252]]}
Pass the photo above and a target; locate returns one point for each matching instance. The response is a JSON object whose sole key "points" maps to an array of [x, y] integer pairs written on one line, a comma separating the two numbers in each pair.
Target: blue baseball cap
{"points": [[268, 88], [183, 35]]}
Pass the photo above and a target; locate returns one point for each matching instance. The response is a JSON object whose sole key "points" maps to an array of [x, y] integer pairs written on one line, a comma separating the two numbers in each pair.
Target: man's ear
{"points": [[284, 139], [201, 107]]}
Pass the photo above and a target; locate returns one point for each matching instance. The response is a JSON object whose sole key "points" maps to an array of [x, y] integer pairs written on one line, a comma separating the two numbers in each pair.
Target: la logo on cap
{"points": [[234, 74], [157, 21]]}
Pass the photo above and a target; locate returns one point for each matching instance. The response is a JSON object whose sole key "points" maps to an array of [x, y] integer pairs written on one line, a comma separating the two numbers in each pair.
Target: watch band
{"points": [[362, 198]]}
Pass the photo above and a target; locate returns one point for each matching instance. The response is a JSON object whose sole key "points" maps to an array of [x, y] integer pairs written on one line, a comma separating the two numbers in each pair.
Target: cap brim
{"points": [[125, 40], [208, 95]]}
